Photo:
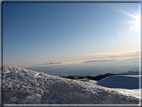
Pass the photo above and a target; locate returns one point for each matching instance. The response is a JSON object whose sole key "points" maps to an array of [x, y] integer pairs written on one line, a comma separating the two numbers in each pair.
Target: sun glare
{"points": [[135, 15], [131, 27], [137, 24]]}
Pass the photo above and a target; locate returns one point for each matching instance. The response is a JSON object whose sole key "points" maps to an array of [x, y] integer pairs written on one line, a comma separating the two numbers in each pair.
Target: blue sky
{"points": [[36, 33]]}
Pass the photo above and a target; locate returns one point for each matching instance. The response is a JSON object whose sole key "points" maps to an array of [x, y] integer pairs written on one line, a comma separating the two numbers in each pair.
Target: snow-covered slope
{"points": [[125, 84], [120, 81], [21, 86]]}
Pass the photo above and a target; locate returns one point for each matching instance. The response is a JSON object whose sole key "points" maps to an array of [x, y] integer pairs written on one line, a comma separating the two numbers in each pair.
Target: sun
{"points": [[137, 23], [136, 15]]}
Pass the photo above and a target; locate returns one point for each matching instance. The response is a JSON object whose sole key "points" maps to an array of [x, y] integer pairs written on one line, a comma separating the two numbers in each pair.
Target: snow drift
{"points": [[21, 86]]}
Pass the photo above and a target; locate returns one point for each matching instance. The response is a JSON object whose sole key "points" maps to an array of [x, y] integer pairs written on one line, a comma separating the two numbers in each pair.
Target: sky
{"points": [[60, 33]]}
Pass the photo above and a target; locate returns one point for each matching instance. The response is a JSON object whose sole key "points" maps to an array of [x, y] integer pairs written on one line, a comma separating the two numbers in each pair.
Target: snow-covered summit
{"points": [[21, 86]]}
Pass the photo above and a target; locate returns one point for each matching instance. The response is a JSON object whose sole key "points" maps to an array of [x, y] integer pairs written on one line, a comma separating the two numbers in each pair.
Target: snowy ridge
{"points": [[21, 86]]}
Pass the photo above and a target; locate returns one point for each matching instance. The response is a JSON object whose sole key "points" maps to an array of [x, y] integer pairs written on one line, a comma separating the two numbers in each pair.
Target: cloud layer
{"points": [[96, 61]]}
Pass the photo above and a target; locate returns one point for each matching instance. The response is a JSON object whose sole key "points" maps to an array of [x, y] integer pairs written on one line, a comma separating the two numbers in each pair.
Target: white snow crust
{"points": [[21, 86]]}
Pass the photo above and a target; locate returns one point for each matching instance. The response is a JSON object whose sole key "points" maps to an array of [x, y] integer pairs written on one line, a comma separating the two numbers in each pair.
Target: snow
{"points": [[125, 84], [134, 92], [121, 81], [21, 86], [89, 81]]}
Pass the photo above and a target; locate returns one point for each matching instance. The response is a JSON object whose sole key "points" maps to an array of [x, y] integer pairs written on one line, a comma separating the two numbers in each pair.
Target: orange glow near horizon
{"points": [[106, 56], [118, 56]]}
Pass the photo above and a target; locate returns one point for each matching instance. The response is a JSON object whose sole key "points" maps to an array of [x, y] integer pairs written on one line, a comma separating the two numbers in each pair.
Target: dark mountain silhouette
{"points": [[102, 76], [97, 78]]}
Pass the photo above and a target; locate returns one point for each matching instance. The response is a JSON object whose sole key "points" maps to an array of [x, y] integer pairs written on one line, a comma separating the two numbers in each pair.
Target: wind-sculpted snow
{"points": [[21, 86]]}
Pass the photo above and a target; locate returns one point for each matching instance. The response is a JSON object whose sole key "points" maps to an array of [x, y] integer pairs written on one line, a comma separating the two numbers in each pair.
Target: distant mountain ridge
{"points": [[101, 76], [130, 73], [97, 78]]}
